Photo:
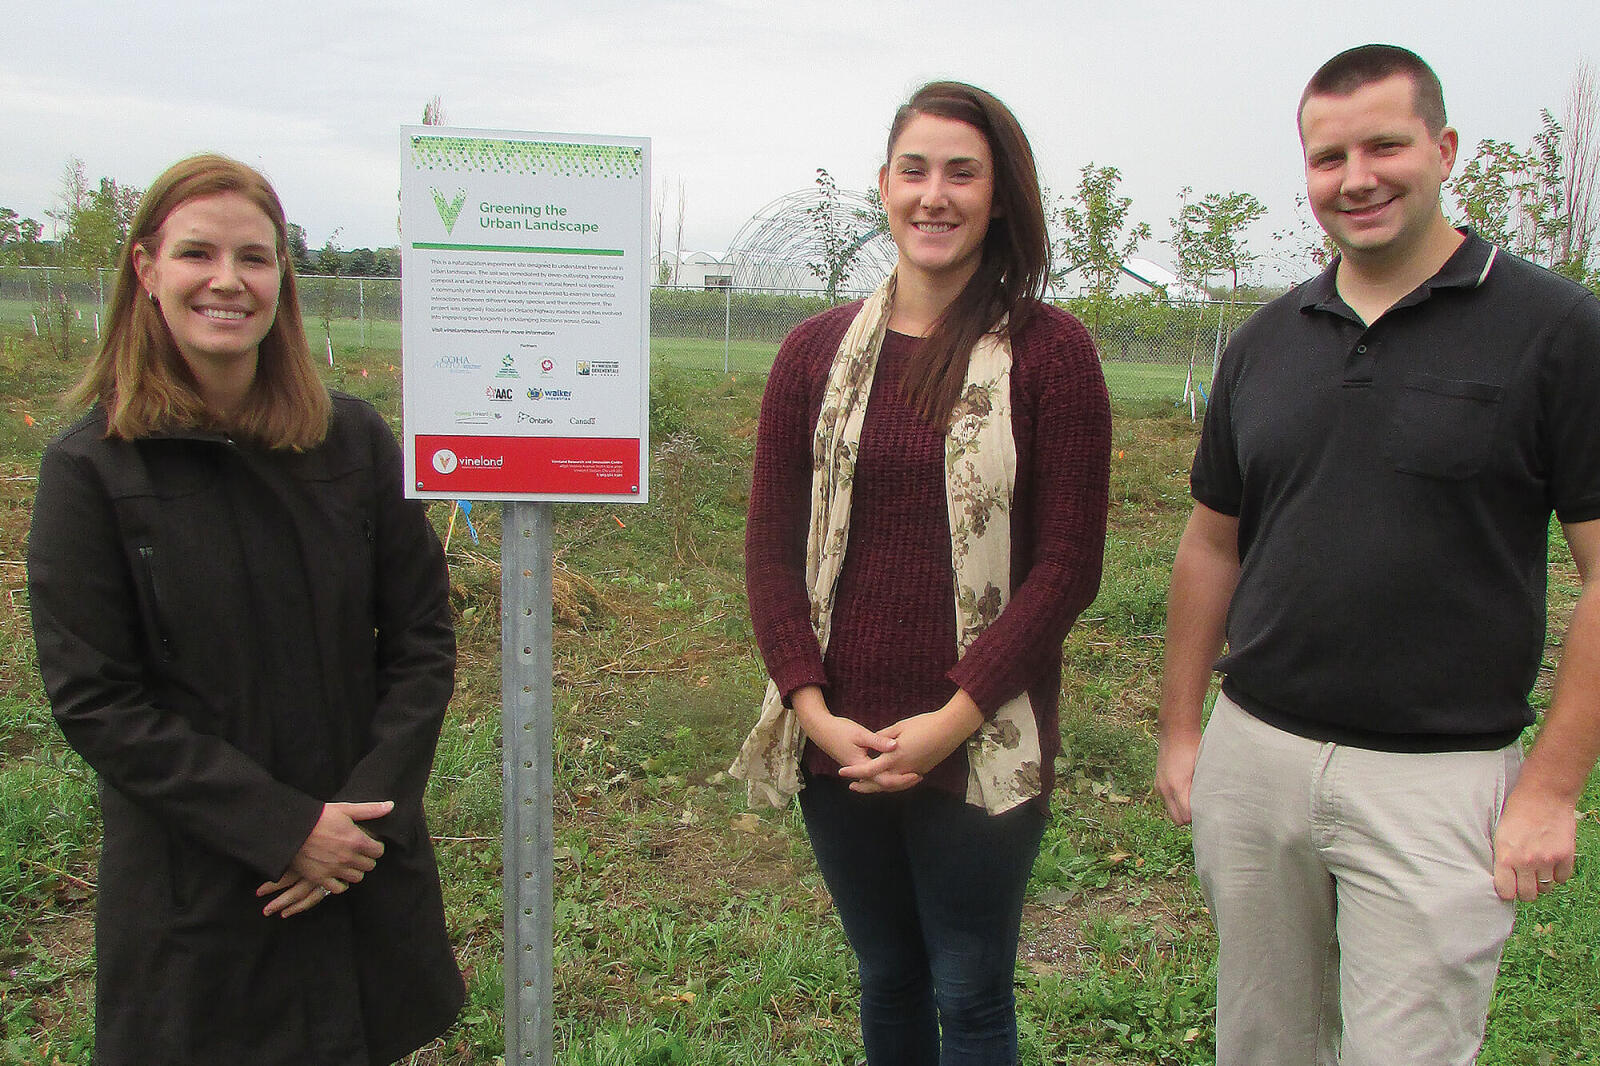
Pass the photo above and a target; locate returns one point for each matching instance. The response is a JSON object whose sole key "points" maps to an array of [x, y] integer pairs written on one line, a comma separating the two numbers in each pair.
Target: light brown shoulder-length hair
{"points": [[1015, 261], [139, 377]]}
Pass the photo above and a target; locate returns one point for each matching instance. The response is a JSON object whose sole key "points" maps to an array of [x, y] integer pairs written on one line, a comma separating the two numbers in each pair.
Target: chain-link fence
{"points": [[364, 312], [1152, 350], [1160, 350]]}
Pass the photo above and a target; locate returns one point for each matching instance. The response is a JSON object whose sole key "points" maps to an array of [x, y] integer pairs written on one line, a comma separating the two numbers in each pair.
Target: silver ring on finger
{"points": [[324, 890]]}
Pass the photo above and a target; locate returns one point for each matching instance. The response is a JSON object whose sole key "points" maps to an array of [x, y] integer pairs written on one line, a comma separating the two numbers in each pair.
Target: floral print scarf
{"points": [[980, 473]]}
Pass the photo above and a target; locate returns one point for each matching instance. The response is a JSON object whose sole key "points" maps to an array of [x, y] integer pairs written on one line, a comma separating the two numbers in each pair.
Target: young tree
{"points": [[1513, 197], [1304, 248], [875, 217], [658, 219], [1094, 239], [92, 222], [299, 251], [677, 252], [1543, 202], [73, 197], [1208, 236], [841, 233], [330, 260], [97, 232], [1580, 170], [1209, 239], [1489, 189]]}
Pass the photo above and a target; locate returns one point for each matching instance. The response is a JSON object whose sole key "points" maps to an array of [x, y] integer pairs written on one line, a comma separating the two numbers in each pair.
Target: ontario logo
{"points": [[449, 210]]}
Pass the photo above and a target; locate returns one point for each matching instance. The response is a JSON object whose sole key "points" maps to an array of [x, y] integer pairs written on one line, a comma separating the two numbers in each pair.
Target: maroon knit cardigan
{"points": [[892, 653]]}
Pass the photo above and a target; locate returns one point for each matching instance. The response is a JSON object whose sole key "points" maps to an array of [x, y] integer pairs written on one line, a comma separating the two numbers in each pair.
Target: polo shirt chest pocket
{"points": [[1442, 427]]}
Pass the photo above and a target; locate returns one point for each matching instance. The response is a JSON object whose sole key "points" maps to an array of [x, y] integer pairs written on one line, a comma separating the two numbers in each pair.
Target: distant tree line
{"points": [[92, 220], [332, 260], [21, 241], [1542, 202]]}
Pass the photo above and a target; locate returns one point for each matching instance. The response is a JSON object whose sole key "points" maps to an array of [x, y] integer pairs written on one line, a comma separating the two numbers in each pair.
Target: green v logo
{"points": [[449, 210]]}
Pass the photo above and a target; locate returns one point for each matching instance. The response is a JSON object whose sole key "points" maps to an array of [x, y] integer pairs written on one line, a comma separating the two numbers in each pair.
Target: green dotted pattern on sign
{"points": [[488, 156]]}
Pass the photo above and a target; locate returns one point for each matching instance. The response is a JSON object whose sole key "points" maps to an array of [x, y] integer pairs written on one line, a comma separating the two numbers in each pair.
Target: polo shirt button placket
{"points": [[1358, 365]]}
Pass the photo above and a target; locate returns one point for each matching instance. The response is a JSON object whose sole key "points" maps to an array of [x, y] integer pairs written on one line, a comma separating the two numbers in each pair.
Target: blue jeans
{"points": [[930, 892]]}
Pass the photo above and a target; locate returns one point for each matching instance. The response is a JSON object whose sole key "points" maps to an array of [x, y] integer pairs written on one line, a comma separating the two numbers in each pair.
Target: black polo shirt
{"points": [[1394, 487]]}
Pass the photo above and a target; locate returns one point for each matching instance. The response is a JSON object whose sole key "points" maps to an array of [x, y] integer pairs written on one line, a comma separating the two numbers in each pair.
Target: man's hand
{"points": [[1204, 574], [1534, 845], [1535, 841], [1176, 753]]}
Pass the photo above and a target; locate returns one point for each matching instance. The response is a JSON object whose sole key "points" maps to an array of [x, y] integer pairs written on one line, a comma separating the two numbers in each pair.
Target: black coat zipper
{"points": [[152, 610]]}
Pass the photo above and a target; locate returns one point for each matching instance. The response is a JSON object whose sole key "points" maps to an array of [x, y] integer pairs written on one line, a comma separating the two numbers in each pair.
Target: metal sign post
{"points": [[526, 379], [527, 751]]}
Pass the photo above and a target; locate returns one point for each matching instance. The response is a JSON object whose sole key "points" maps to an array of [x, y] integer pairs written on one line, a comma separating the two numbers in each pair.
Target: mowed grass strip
{"points": [[688, 929]]}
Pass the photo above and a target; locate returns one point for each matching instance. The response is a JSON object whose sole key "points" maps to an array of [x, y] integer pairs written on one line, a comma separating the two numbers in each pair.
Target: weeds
{"points": [[689, 930]]}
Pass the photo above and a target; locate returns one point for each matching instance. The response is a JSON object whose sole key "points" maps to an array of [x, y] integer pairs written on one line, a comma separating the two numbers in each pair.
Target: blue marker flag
{"points": [[466, 512]]}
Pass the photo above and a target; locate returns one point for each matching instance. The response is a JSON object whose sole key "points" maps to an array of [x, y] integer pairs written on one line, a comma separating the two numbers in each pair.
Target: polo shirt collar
{"points": [[1467, 268]]}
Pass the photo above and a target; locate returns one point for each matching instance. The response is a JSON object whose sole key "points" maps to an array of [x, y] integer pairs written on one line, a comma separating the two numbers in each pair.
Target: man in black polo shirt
{"points": [[1373, 487]]}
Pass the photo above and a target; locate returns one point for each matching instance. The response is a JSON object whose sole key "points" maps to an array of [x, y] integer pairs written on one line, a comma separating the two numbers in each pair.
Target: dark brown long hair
{"points": [[1015, 262], [139, 375]]}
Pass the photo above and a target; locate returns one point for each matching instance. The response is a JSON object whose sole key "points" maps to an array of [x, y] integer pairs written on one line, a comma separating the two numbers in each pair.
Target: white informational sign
{"points": [[525, 289]]}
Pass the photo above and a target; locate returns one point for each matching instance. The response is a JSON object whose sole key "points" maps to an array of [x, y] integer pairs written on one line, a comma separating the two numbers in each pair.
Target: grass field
{"points": [[1142, 385], [689, 930]]}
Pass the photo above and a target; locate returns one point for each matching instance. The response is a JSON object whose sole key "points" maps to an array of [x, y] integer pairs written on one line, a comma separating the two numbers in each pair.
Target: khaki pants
{"points": [[1353, 895]]}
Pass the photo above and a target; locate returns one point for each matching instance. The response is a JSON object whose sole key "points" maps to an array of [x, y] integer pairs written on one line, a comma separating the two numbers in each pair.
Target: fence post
{"points": [[361, 309], [727, 317]]}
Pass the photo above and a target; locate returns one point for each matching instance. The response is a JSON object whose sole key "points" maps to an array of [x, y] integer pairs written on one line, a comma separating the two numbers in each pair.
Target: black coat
{"points": [[231, 637]]}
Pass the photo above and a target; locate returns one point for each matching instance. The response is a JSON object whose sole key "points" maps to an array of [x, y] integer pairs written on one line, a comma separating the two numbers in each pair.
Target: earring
{"points": [[154, 302]]}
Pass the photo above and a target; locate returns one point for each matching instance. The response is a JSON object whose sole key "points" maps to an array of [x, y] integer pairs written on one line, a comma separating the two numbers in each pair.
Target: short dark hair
{"points": [[1361, 66], [1015, 262]]}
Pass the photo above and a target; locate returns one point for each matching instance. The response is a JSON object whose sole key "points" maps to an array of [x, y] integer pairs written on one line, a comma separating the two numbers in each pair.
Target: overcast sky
{"points": [[743, 99]]}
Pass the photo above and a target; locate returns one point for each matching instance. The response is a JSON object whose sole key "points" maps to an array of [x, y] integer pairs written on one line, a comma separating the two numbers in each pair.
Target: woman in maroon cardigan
{"points": [[927, 520]]}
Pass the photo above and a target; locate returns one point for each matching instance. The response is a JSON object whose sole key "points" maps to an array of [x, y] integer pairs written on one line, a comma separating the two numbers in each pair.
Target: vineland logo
{"points": [[446, 461], [449, 210]]}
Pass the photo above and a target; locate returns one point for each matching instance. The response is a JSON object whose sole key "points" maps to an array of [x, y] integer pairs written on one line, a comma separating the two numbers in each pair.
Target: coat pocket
{"points": [[157, 637], [1442, 427]]}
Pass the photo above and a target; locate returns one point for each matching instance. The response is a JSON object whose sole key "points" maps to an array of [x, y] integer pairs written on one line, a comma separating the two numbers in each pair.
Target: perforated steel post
{"points": [[528, 736]]}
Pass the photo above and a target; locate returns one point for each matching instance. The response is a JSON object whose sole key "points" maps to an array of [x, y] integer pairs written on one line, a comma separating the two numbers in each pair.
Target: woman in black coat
{"points": [[243, 628]]}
